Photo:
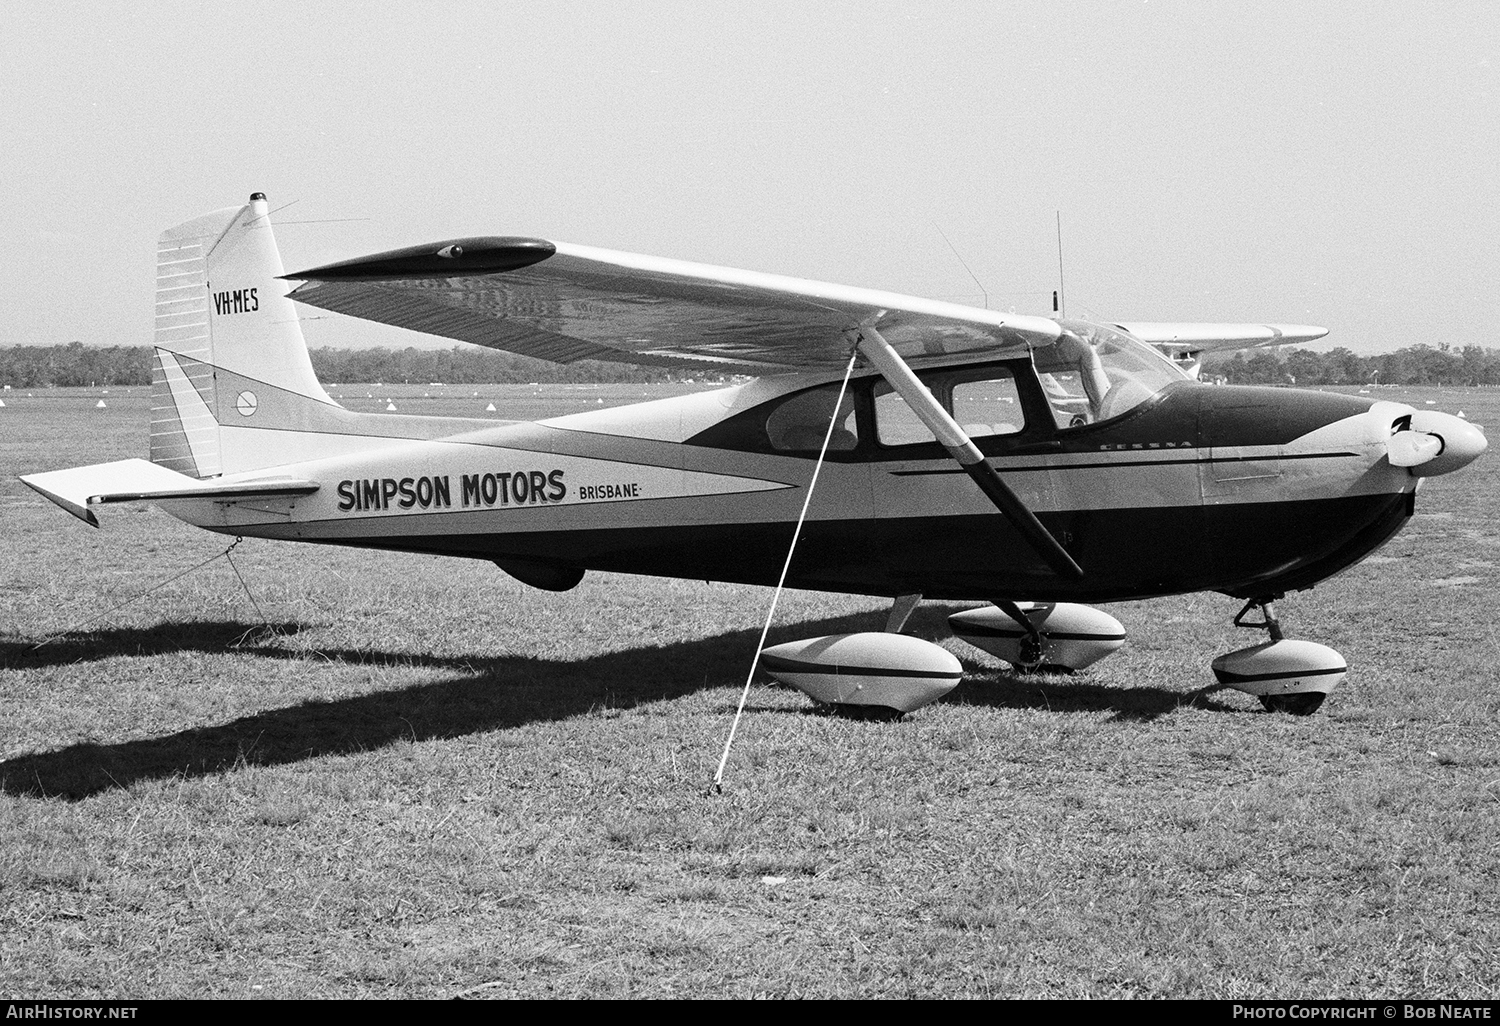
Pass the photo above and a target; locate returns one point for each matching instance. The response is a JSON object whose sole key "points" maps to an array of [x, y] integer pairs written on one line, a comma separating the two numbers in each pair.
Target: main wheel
{"points": [[848, 711], [1303, 703]]}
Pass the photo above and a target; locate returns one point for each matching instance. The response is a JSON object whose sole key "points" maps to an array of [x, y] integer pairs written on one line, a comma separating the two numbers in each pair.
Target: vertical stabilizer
{"points": [[229, 349]]}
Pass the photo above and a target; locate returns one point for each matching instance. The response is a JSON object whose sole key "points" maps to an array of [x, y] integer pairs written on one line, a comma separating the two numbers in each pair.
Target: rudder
{"points": [[229, 347]]}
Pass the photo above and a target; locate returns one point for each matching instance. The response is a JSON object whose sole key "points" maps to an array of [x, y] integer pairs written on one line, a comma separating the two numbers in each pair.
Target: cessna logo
{"points": [[237, 301], [1127, 446]]}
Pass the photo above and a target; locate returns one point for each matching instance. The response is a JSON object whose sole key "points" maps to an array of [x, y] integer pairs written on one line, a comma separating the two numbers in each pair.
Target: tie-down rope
{"points": [[718, 784], [161, 584]]}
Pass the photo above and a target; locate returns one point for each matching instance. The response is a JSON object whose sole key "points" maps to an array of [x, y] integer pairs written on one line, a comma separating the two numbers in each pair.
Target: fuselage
{"points": [[1247, 491], [977, 455]]}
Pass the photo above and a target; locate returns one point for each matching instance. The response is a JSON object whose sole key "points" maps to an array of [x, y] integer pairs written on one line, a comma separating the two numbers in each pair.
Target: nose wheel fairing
{"points": [[1287, 675]]}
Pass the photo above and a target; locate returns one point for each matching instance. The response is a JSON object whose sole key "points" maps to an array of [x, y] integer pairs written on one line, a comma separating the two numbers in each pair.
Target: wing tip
{"points": [[82, 512], [1299, 332], [450, 258]]}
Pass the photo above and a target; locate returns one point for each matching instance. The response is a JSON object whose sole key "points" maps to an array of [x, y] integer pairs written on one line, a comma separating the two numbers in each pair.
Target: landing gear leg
{"points": [[1032, 646], [1287, 676], [1268, 621], [1041, 637], [901, 611]]}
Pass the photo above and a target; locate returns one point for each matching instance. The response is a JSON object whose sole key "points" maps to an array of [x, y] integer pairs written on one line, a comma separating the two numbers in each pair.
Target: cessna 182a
{"points": [[962, 454]]}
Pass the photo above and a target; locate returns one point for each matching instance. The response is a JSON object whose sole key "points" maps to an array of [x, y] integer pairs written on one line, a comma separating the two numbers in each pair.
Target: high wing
{"points": [[1209, 337], [564, 302]]}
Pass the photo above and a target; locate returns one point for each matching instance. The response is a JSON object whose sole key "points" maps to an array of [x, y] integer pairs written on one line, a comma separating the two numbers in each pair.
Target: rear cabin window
{"points": [[800, 423]]}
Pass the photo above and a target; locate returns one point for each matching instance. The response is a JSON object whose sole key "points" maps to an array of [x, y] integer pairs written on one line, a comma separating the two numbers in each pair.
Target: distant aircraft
{"points": [[1185, 344], [970, 455]]}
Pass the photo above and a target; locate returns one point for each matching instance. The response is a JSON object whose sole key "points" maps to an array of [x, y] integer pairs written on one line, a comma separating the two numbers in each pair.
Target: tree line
{"points": [[1414, 365], [78, 365]]}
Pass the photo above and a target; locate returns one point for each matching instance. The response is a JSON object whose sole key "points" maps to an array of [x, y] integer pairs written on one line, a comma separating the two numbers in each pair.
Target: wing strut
{"points": [[894, 369]]}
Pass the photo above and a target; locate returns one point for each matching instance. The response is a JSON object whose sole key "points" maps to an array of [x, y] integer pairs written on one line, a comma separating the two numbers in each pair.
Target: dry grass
{"points": [[426, 780]]}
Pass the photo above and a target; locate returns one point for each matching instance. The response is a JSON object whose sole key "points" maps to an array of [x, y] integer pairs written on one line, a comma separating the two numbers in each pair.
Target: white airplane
{"points": [[1185, 344], [959, 453]]}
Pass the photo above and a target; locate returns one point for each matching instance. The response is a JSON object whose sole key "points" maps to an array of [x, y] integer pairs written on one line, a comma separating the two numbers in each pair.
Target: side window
{"points": [[895, 422], [984, 402], [990, 406], [800, 423]]}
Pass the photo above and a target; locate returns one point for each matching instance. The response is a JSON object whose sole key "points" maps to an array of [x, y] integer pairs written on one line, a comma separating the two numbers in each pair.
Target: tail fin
{"points": [[229, 349]]}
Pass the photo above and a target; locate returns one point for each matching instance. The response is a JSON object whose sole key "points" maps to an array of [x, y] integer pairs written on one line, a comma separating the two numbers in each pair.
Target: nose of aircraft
{"points": [[1437, 443]]}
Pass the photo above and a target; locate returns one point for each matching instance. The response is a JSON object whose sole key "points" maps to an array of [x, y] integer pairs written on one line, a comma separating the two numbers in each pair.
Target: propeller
{"points": [[1428, 443]]}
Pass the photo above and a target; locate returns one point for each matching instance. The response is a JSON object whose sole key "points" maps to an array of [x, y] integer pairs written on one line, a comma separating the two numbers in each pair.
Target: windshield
{"points": [[1094, 372]]}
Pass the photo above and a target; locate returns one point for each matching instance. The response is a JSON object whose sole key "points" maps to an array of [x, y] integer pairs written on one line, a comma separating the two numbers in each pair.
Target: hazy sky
{"points": [[1331, 163]]}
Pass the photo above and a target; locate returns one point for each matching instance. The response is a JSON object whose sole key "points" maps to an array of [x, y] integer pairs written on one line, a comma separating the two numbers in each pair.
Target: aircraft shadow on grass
{"points": [[488, 693]]}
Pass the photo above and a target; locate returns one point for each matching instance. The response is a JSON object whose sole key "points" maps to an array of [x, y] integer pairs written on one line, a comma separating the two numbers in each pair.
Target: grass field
{"points": [[401, 776]]}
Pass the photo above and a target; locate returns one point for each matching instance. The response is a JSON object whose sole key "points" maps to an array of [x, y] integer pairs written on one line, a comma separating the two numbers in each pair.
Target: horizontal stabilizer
{"points": [[136, 480]]}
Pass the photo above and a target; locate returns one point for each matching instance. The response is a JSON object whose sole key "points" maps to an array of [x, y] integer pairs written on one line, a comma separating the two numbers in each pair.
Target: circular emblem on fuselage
{"points": [[246, 403]]}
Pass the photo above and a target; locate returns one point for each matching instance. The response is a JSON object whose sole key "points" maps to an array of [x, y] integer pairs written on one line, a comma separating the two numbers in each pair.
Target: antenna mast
{"points": [[982, 290], [1059, 299]]}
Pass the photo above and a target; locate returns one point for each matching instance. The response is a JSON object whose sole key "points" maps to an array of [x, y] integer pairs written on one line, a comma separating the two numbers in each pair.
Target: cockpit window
{"points": [[1095, 373], [800, 423]]}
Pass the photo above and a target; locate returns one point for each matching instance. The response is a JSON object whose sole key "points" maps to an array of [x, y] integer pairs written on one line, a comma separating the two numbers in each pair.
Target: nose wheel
{"points": [[1287, 676], [1296, 705]]}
